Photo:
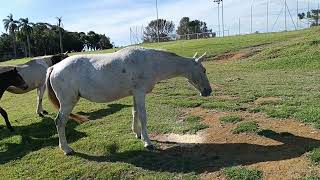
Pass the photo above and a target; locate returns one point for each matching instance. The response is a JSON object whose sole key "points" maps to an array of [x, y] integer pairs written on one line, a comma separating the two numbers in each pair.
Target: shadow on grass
{"points": [[113, 108], [34, 137], [201, 158]]}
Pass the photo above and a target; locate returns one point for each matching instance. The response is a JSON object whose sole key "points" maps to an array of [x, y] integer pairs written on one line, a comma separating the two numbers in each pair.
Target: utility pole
{"points": [[222, 20], [157, 21]]}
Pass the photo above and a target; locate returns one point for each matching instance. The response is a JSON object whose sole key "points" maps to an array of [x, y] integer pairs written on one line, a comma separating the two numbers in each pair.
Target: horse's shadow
{"points": [[34, 137], [201, 158], [112, 108], [44, 134]]}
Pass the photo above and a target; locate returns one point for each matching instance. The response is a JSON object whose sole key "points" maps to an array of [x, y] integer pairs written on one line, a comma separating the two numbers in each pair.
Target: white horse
{"points": [[34, 74], [108, 77]]}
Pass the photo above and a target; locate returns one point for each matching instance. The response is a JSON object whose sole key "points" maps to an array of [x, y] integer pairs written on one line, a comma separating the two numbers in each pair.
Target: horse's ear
{"points": [[66, 53], [15, 69], [195, 55], [201, 58]]}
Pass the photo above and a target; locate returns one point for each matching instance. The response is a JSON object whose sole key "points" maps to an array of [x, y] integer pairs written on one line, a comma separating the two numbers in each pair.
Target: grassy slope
{"points": [[287, 68]]}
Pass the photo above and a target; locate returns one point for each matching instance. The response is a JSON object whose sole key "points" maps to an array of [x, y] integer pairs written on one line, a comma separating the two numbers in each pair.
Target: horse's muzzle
{"points": [[24, 87], [206, 92]]}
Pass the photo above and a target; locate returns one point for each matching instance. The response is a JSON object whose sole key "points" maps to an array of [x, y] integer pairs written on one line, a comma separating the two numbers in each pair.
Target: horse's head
{"points": [[58, 57], [198, 77], [16, 80]]}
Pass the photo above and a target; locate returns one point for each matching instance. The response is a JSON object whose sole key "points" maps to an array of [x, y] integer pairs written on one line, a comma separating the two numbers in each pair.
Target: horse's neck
{"points": [[172, 68], [48, 61], [4, 84]]}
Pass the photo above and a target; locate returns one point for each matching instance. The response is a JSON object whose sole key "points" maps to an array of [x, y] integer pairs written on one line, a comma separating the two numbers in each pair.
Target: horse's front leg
{"points": [[6, 119], [40, 91], [140, 103], [135, 120]]}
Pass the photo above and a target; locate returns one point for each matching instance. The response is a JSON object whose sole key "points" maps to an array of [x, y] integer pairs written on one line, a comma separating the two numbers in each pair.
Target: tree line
{"points": [[26, 39], [165, 28]]}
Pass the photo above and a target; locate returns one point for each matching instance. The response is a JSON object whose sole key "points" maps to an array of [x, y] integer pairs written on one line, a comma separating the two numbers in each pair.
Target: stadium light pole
{"points": [[222, 19], [218, 2], [157, 21]]}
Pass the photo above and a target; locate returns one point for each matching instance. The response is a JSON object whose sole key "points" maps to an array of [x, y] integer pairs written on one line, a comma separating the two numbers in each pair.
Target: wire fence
{"points": [[259, 16]]}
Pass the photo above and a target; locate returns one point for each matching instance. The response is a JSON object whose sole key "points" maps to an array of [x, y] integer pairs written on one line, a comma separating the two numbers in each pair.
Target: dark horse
{"points": [[10, 78]]}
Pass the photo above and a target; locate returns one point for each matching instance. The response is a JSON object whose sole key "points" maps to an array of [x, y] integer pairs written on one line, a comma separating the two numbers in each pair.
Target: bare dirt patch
{"points": [[282, 155], [234, 56]]}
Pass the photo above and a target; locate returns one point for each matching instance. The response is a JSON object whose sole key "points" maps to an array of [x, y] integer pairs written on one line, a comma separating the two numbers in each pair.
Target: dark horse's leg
{"points": [[5, 116]]}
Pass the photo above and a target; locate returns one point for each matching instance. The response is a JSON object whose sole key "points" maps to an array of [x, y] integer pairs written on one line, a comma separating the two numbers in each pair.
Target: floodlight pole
{"points": [[157, 21], [268, 16], [218, 2], [285, 15], [222, 20], [297, 14], [251, 19]]}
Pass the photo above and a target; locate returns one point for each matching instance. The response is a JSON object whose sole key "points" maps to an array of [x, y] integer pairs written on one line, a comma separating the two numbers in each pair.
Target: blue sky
{"points": [[114, 17]]}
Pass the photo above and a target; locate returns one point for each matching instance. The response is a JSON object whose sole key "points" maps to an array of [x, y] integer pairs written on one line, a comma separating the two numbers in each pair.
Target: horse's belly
{"points": [[103, 96]]}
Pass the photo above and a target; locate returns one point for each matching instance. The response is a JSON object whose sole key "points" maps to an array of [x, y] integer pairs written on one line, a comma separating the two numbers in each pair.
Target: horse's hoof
{"points": [[41, 115], [138, 137], [69, 153], [45, 112], [150, 147]]}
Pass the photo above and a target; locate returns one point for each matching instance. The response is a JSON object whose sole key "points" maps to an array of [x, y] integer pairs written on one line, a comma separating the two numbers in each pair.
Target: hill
{"points": [[267, 83]]}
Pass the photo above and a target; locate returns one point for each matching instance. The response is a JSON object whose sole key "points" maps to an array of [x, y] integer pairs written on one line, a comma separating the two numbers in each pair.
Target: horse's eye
{"points": [[204, 70]]}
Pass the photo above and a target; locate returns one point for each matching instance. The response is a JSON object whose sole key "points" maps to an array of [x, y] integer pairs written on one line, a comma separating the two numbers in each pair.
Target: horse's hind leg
{"points": [[67, 103], [61, 121], [40, 92], [6, 119], [135, 120]]}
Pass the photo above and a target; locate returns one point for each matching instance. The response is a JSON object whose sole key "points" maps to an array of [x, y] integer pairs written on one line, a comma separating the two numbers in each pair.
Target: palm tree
{"points": [[26, 28], [60, 32], [10, 25]]}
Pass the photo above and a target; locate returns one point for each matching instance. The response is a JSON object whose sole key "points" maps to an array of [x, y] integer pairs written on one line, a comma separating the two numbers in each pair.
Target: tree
{"points": [[191, 27], [10, 25], [60, 32], [93, 40], [165, 29], [104, 42], [44, 39], [26, 28], [184, 26], [312, 16]]}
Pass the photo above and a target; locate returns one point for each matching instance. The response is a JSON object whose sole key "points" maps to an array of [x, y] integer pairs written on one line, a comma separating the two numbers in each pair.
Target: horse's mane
{"points": [[5, 69]]}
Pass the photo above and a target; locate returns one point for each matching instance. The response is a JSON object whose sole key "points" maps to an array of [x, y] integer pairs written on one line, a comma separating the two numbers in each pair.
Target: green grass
{"points": [[240, 173], [194, 124], [315, 156], [315, 177], [284, 65], [230, 119], [246, 127]]}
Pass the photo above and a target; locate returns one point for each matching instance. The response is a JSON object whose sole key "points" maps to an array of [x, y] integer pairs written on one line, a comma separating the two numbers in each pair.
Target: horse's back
{"points": [[102, 78]]}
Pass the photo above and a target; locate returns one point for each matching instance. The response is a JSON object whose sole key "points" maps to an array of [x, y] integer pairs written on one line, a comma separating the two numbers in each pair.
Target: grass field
{"points": [[275, 74]]}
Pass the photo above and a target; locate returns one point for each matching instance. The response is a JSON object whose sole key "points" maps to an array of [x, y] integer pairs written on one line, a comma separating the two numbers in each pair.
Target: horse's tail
{"points": [[55, 102]]}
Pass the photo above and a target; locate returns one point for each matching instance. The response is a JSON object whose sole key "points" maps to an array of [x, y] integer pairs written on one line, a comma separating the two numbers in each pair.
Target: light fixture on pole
{"points": [[218, 2]]}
